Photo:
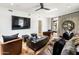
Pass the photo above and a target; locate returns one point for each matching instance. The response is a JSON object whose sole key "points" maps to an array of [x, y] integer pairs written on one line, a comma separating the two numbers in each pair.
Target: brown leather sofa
{"points": [[13, 47]]}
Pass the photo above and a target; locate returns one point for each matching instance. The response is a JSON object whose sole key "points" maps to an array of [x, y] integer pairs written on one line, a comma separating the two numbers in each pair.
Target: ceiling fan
{"points": [[42, 7]]}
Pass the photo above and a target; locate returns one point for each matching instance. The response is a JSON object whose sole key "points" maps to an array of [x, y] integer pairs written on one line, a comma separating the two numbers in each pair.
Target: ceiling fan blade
{"points": [[37, 9], [42, 7], [46, 8], [41, 4]]}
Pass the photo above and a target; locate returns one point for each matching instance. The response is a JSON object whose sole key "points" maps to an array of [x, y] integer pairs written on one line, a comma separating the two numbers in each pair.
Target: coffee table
{"points": [[37, 44]]}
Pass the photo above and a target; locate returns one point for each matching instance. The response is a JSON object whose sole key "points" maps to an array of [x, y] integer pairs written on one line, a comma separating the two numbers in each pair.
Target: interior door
{"points": [[39, 27]]}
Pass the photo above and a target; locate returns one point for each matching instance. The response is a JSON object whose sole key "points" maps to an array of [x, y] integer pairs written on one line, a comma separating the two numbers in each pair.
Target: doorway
{"points": [[39, 27]]}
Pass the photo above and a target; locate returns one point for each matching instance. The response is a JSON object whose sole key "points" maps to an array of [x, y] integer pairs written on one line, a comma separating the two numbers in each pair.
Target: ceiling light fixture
{"points": [[68, 6], [11, 4]]}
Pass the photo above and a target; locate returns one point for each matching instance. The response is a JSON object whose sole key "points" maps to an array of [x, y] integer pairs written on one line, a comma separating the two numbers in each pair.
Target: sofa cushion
{"points": [[11, 37]]}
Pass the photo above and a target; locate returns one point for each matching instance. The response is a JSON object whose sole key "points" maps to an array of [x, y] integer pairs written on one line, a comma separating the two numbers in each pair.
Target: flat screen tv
{"points": [[20, 23]]}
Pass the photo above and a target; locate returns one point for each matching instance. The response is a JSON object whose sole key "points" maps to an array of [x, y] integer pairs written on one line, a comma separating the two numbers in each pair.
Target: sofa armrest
{"points": [[11, 41]]}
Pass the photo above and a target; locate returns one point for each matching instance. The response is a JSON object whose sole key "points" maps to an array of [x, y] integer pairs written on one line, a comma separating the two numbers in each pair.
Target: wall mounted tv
{"points": [[20, 22]]}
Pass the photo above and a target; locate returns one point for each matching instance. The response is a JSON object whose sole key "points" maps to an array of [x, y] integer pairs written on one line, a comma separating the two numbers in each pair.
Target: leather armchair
{"points": [[13, 47]]}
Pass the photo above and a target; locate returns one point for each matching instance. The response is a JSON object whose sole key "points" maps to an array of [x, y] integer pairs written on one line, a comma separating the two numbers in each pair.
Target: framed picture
{"points": [[20, 23], [68, 25]]}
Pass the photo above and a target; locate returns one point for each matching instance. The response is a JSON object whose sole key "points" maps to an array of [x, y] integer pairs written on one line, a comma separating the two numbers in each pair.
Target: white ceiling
{"points": [[63, 8]]}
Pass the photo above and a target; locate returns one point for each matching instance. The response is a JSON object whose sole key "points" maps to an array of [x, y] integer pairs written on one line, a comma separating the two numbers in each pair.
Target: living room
{"points": [[36, 19], [7, 10]]}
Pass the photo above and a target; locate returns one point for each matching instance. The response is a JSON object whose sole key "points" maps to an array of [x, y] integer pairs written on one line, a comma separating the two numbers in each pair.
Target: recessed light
{"points": [[68, 6], [11, 4]]}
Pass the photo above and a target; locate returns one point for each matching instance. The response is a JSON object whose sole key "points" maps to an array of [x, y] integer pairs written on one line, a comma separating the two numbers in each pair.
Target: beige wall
{"points": [[73, 17]]}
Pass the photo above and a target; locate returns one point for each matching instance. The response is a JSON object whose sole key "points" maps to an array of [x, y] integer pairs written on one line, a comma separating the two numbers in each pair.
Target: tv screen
{"points": [[20, 23]]}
